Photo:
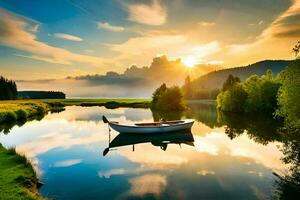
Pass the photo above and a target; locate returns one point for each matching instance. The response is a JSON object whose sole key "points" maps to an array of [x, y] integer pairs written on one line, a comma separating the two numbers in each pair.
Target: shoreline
{"points": [[18, 179], [23, 110]]}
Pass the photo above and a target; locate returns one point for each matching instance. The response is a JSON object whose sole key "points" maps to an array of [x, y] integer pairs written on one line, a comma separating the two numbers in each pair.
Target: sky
{"points": [[72, 38]]}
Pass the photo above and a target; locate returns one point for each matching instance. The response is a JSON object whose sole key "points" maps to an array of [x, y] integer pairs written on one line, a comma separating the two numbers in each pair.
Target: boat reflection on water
{"points": [[161, 140]]}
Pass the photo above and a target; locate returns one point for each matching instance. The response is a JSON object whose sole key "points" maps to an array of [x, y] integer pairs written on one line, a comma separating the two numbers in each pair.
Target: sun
{"points": [[190, 62]]}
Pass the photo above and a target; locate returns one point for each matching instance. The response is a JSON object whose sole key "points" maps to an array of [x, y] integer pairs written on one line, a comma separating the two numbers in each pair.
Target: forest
{"points": [[276, 95], [8, 89]]}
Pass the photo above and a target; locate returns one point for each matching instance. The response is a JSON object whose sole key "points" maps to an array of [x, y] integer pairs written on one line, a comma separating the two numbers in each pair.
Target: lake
{"points": [[222, 158]]}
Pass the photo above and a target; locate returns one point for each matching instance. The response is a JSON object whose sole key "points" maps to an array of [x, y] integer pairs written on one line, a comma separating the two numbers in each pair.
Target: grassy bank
{"points": [[108, 103], [18, 179], [22, 110]]}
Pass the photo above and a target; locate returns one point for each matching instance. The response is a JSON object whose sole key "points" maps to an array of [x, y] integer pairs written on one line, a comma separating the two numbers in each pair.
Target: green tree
{"points": [[289, 95], [231, 80], [171, 99], [157, 94], [232, 100], [167, 99], [262, 93], [8, 89]]}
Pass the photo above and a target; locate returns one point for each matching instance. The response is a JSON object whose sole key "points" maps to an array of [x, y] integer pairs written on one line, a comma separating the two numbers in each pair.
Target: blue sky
{"points": [[59, 38]]}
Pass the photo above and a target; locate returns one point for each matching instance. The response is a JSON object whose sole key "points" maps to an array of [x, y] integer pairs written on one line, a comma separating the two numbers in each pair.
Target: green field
{"points": [[18, 180]]}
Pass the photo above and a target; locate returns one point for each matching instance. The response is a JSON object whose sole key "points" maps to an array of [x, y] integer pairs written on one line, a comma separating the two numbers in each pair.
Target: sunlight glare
{"points": [[189, 62]]}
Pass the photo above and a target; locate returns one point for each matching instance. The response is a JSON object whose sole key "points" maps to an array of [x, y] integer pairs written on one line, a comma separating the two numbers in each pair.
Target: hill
{"points": [[215, 80]]}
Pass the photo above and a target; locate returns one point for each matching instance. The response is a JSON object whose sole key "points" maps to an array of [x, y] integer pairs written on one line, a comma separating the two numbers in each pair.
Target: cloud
{"points": [[153, 14], [109, 27], [35, 28], [158, 43], [112, 84], [67, 37], [257, 24], [67, 163], [13, 33], [49, 60], [275, 42], [198, 53], [206, 24], [148, 184]]}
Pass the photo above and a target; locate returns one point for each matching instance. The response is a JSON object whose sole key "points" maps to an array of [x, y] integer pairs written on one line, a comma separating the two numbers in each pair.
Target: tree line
{"points": [[278, 95], [41, 95], [8, 89]]}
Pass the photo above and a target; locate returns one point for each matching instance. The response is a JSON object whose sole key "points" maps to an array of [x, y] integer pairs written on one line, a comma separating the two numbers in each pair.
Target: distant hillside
{"points": [[41, 95], [215, 79]]}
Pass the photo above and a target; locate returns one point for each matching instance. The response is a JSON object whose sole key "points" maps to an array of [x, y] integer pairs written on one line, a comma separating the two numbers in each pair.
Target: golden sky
{"points": [[72, 38]]}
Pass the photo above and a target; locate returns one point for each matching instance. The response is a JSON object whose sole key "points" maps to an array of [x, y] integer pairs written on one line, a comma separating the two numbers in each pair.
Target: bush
{"points": [[232, 100], [262, 93], [8, 116], [255, 94], [21, 114], [168, 99], [289, 94]]}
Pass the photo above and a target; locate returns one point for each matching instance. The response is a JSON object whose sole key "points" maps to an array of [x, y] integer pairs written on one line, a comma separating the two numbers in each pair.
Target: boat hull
{"points": [[150, 129]]}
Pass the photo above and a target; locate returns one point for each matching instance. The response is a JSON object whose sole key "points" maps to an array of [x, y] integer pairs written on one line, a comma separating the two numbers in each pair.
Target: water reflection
{"points": [[7, 126], [67, 150], [161, 140], [288, 185]]}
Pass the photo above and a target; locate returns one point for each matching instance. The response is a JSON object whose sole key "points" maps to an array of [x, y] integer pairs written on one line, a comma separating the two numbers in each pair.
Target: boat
{"points": [[153, 127], [161, 140]]}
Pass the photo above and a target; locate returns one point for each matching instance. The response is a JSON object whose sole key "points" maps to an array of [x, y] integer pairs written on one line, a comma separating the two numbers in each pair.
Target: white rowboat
{"points": [[154, 127]]}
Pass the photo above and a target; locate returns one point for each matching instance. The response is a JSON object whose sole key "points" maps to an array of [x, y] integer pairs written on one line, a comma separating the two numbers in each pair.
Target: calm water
{"points": [[229, 158]]}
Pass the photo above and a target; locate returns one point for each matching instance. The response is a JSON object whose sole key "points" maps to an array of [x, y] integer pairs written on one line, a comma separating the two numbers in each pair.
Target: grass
{"points": [[22, 110], [18, 180], [109, 103]]}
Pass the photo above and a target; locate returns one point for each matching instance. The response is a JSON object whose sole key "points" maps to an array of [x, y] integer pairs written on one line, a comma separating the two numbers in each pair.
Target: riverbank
{"points": [[108, 103], [22, 110], [18, 180]]}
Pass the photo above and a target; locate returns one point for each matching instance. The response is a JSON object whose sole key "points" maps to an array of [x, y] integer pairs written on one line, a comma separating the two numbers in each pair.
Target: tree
{"points": [[187, 88], [289, 95], [8, 89], [262, 93], [157, 94], [232, 100], [167, 99], [231, 80], [296, 49], [255, 94]]}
